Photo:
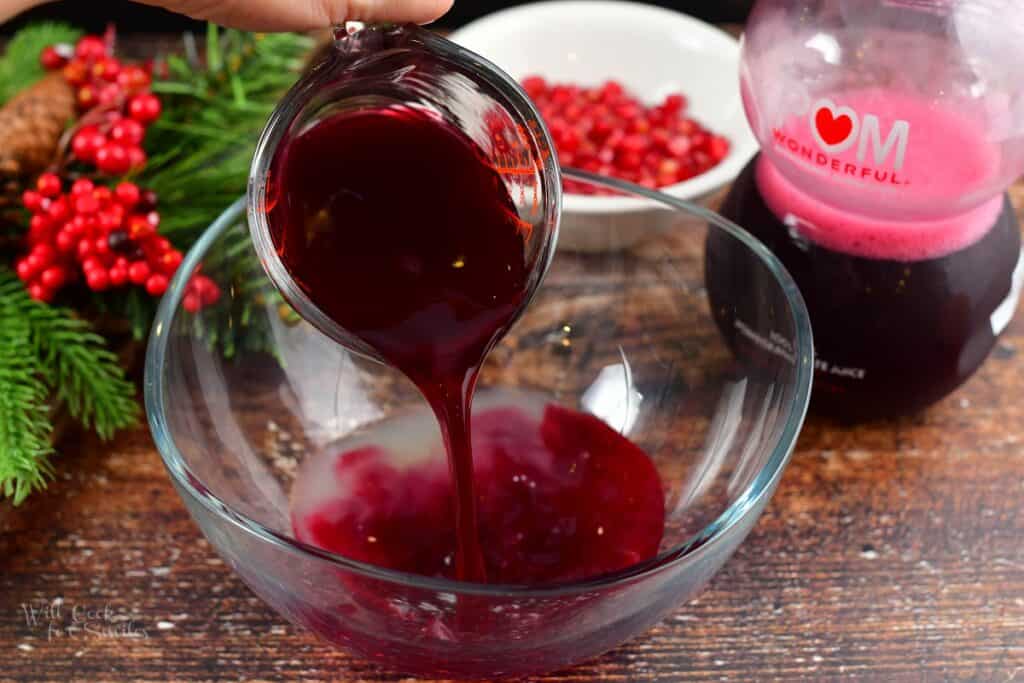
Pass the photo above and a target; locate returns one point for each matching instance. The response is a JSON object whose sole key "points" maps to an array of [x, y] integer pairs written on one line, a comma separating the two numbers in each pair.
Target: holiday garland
{"points": [[118, 169]]}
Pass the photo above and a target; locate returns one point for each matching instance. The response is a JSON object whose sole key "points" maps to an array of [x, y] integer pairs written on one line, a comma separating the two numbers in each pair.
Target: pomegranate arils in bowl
{"points": [[608, 130]]}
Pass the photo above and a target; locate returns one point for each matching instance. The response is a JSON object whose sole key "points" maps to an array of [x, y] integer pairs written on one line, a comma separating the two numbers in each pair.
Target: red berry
{"points": [[133, 79], [87, 142], [109, 220], [87, 97], [58, 211], [25, 270], [192, 303], [52, 277], [156, 285], [84, 250], [82, 186], [118, 275], [136, 158], [86, 204], [43, 253], [49, 185], [97, 279], [170, 261], [127, 194], [206, 289], [65, 241], [90, 264], [144, 108], [51, 59], [140, 228], [138, 272], [112, 159], [40, 293], [127, 132], [109, 95], [76, 72], [80, 225], [101, 246], [39, 224], [107, 69], [91, 48], [103, 194], [161, 244], [32, 200]]}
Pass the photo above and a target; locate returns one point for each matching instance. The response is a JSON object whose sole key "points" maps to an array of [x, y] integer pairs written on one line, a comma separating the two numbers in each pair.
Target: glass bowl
{"points": [[240, 394]]}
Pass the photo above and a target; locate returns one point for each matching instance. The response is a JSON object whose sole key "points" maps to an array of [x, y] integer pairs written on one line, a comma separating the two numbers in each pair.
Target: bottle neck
{"points": [[859, 234]]}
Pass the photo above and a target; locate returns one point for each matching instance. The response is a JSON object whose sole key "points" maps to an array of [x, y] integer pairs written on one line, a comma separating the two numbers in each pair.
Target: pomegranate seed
{"points": [[675, 103]]}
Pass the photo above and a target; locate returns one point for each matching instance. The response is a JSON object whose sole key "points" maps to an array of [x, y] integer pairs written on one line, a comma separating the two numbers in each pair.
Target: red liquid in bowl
{"points": [[560, 495], [397, 227]]}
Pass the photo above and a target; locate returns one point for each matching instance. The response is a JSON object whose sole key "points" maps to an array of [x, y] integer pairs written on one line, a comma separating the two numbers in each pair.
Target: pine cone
{"points": [[31, 124]]}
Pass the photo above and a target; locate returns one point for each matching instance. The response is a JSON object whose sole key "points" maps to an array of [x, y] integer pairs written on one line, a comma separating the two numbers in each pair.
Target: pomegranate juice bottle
{"points": [[889, 132]]}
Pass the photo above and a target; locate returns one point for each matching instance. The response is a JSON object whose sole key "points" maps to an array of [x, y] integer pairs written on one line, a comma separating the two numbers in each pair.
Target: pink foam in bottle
{"points": [[882, 174]]}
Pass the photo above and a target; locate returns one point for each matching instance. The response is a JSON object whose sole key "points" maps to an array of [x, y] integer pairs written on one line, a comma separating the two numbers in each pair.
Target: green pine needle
{"points": [[20, 67], [25, 426], [46, 352]]}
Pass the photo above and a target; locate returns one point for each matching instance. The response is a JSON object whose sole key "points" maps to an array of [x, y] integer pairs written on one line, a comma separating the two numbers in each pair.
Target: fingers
{"points": [[302, 15]]}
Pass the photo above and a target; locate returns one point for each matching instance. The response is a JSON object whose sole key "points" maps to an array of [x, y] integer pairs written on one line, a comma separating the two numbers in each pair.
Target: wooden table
{"points": [[891, 552]]}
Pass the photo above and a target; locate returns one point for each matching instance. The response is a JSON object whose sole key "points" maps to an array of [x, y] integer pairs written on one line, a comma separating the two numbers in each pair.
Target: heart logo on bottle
{"points": [[833, 127]]}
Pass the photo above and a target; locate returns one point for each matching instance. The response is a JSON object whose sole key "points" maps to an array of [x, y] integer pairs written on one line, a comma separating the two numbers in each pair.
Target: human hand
{"points": [[285, 15], [300, 15]]}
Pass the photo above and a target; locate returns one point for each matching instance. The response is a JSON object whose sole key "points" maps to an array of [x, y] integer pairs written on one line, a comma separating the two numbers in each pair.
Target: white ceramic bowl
{"points": [[650, 50]]}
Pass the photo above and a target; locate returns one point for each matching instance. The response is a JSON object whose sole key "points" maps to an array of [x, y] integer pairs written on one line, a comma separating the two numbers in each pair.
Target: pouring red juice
{"points": [[397, 227]]}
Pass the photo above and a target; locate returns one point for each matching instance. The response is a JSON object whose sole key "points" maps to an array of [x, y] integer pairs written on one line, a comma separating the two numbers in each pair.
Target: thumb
{"points": [[302, 15]]}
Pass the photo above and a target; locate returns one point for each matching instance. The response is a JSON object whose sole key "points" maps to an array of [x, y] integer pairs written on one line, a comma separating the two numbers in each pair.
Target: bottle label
{"points": [[860, 145]]}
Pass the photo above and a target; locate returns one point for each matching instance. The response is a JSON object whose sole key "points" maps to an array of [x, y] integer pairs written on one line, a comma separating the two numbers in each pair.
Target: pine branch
{"points": [[199, 155], [201, 148], [74, 362], [25, 426], [19, 67]]}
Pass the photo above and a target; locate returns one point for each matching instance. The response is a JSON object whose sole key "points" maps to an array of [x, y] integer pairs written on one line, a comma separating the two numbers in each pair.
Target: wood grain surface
{"points": [[891, 552]]}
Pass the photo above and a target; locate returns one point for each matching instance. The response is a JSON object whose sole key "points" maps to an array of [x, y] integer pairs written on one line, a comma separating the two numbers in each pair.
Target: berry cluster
{"points": [[114, 101], [609, 131], [108, 237]]}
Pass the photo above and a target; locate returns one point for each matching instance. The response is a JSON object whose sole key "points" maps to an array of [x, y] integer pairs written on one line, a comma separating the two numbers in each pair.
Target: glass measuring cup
{"points": [[388, 65]]}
